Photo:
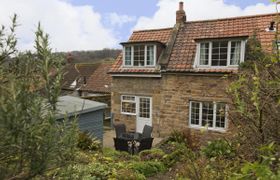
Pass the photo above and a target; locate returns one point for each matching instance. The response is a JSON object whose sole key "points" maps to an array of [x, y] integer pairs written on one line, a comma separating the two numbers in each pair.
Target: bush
{"points": [[218, 148], [119, 155], [148, 168], [177, 152], [151, 155], [87, 143], [185, 136], [128, 174]]}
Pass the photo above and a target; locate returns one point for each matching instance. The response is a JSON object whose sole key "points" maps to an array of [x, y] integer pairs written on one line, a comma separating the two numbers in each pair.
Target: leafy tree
{"points": [[255, 95], [32, 141]]}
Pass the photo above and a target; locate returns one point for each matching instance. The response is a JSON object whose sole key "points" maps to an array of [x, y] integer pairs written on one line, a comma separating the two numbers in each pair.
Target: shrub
{"points": [[185, 136], [151, 155], [177, 153], [119, 155], [218, 148], [148, 168], [128, 174], [85, 142]]}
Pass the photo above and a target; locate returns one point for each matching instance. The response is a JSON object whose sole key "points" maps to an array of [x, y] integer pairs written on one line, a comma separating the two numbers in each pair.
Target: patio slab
{"points": [[110, 134]]}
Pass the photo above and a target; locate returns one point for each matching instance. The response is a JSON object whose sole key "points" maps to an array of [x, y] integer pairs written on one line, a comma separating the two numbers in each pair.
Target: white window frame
{"points": [[145, 56], [129, 101], [214, 128], [197, 57]]}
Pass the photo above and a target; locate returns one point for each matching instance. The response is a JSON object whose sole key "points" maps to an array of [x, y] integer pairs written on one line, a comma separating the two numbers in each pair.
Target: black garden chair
{"points": [[121, 144], [147, 132], [145, 143], [120, 129]]}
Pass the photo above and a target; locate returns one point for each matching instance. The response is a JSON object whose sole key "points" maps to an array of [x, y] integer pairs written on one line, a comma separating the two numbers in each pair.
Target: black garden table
{"points": [[133, 138]]}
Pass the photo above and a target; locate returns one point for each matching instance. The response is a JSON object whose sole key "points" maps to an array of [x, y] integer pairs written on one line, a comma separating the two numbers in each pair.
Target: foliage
{"points": [[86, 142], [32, 143], [154, 154], [255, 95], [218, 148], [267, 167], [185, 136], [148, 168]]}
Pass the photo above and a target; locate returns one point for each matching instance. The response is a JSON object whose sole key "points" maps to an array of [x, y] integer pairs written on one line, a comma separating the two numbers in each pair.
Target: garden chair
{"points": [[120, 129], [145, 143], [147, 131], [121, 144]]}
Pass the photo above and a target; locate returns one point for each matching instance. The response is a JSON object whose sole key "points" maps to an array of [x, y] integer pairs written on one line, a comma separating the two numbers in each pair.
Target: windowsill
{"points": [[130, 114], [216, 67], [139, 67], [208, 129]]}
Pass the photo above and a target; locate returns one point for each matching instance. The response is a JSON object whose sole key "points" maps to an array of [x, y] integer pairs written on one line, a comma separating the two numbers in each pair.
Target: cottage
{"points": [[172, 78]]}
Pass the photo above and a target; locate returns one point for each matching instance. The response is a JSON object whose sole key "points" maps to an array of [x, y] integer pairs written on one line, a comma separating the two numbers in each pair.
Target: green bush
{"points": [[119, 155], [128, 174], [148, 168], [151, 155], [87, 143], [177, 152], [218, 148]]}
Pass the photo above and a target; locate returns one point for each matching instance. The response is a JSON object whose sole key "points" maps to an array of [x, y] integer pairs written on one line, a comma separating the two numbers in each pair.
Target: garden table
{"points": [[133, 138]]}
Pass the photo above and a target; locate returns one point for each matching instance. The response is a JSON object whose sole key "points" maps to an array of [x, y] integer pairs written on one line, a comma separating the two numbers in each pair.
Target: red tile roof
{"points": [[184, 49], [100, 80], [160, 35], [183, 52]]}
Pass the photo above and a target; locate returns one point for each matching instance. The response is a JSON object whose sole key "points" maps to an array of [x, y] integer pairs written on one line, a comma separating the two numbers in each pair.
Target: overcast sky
{"points": [[98, 24]]}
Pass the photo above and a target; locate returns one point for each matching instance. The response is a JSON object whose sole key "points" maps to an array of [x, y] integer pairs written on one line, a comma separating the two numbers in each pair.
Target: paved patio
{"points": [[110, 134]]}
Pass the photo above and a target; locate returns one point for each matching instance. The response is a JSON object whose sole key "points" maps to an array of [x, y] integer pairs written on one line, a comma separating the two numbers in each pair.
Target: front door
{"points": [[144, 113]]}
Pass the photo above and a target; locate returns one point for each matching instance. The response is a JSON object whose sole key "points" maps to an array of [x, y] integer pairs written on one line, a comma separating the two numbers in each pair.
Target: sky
{"points": [[97, 24]]}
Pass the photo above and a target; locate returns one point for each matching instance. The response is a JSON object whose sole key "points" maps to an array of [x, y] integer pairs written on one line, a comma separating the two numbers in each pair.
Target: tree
{"points": [[255, 95], [32, 141]]}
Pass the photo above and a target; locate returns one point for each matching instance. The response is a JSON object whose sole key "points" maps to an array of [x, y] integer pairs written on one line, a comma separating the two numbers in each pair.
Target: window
{"points": [[139, 55], [208, 114], [128, 105], [127, 57], [220, 53]]}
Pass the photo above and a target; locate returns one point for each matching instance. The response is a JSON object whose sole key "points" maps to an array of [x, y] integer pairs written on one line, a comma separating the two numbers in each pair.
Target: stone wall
{"points": [[178, 90], [171, 96], [139, 86]]}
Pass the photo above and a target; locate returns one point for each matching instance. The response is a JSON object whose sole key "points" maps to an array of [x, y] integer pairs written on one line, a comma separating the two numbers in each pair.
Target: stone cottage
{"points": [[172, 78]]}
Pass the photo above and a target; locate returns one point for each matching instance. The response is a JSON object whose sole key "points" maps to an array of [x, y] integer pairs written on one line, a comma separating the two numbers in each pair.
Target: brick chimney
{"points": [[180, 14]]}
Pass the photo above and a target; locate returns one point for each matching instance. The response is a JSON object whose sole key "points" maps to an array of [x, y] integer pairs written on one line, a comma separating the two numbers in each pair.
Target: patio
{"points": [[108, 138]]}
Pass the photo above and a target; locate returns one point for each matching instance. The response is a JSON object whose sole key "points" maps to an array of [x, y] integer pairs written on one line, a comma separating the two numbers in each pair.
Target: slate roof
{"points": [[159, 35], [100, 80], [182, 54]]}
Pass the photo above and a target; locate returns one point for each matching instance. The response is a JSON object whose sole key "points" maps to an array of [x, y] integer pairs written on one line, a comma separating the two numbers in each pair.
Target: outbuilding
{"points": [[89, 114]]}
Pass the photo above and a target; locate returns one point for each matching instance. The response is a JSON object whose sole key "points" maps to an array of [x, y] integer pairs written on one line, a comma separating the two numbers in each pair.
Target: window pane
{"points": [[220, 115], [150, 55], [131, 98], [207, 114], [129, 107], [139, 55], [127, 60], [235, 52], [144, 110], [195, 113], [219, 53], [204, 54]]}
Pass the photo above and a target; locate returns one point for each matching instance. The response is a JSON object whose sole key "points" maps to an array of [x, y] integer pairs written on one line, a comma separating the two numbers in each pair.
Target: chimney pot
{"points": [[181, 6], [180, 14]]}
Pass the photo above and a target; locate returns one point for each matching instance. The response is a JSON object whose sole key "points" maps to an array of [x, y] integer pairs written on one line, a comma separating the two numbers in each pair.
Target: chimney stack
{"points": [[180, 14]]}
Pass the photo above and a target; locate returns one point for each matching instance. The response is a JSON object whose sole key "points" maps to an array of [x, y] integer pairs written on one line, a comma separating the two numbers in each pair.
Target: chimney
{"points": [[180, 14]]}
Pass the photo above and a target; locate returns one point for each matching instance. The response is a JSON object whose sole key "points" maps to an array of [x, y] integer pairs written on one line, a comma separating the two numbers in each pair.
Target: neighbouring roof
{"points": [[77, 72], [182, 55], [70, 106], [184, 50], [158, 35], [100, 80]]}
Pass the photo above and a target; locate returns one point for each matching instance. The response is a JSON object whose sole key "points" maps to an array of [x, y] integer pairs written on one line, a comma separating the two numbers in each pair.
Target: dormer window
{"points": [[139, 55], [220, 53]]}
